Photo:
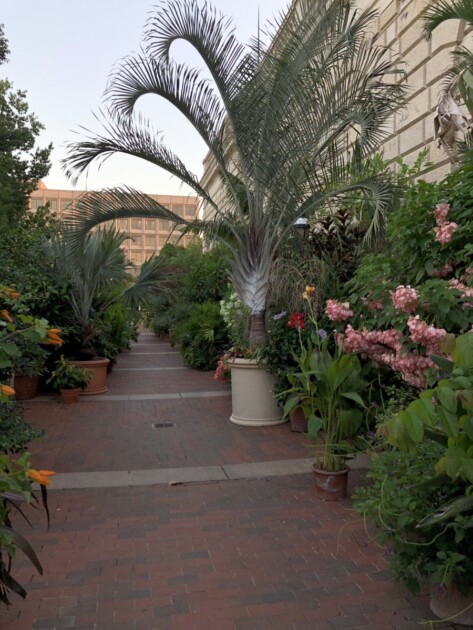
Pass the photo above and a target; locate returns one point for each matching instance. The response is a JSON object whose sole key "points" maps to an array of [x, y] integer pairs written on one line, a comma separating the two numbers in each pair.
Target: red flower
{"points": [[296, 320]]}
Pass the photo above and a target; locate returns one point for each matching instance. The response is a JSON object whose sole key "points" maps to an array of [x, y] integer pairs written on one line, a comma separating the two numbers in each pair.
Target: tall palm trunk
{"points": [[258, 331]]}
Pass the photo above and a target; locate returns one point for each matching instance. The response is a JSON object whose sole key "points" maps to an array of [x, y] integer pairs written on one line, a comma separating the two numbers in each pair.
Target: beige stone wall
{"points": [[399, 27]]}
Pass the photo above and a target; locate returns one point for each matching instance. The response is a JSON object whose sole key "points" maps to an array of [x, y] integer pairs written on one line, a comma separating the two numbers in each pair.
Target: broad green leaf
{"points": [[447, 399], [414, 426], [355, 397], [10, 349], [447, 511], [463, 352], [314, 425], [467, 467]]}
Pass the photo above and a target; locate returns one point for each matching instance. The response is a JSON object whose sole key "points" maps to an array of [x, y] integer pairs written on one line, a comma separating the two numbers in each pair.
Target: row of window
{"points": [[65, 204]]}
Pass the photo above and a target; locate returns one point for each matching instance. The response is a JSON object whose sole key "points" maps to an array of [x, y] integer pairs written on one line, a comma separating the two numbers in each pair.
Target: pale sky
{"points": [[61, 53]]}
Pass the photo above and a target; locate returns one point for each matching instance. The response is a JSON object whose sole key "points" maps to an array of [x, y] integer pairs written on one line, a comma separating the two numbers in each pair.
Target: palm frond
{"points": [[442, 10]]}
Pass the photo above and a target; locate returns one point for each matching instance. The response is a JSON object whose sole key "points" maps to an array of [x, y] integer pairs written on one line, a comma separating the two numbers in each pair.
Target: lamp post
{"points": [[302, 226]]}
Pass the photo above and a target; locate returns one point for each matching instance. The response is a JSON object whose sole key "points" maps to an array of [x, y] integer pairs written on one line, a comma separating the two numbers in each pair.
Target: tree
{"points": [[21, 164], [290, 125]]}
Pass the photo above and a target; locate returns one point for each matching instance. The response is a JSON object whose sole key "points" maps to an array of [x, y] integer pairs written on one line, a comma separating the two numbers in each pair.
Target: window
{"points": [[137, 241], [65, 205], [164, 225], [150, 241], [135, 256], [122, 223], [150, 224], [177, 210], [190, 211], [162, 240], [36, 203], [136, 224]]}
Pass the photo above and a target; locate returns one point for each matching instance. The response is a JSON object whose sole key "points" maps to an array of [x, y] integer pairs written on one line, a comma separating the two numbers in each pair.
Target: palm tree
{"points": [[98, 276], [289, 126], [458, 83]]}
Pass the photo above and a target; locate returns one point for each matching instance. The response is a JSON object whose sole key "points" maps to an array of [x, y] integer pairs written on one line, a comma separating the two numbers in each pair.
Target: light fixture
{"points": [[302, 226]]}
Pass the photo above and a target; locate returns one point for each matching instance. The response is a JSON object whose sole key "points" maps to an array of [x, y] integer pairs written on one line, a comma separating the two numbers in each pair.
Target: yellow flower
{"points": [[7, 390], [41, 476], [6, 315]]}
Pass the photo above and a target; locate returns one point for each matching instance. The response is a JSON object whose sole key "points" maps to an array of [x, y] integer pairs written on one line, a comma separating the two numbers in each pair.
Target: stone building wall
{"points": [[399, 27]]}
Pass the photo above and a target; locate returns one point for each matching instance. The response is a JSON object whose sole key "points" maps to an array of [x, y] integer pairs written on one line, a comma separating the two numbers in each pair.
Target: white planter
{"points": [[253, 402]]}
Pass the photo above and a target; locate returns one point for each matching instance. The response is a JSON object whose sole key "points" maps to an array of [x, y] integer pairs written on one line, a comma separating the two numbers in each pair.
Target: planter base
{"points": [[69, 395], [253, 402], [448, 603], [329, 485], [98, 382], [26, 387]]}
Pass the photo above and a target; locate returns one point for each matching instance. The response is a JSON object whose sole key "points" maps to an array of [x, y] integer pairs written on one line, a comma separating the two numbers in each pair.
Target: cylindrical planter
{"points": [[448, 603], [253, 402], [98, 382], [298, 421], [70, 395], [26, 387], [330, 485]]}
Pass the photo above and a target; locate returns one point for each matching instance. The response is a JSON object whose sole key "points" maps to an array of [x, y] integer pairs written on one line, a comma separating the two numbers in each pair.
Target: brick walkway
{"points": [[259, 552]]}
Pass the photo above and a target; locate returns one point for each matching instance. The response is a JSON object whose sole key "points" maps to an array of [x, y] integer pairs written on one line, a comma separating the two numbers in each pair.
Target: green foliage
{"points": [[32, 357], [15, 488], [443, 414], [202, 336], [21, 164], [15, 433], [328, 388], [404, 491], [67, 375]]}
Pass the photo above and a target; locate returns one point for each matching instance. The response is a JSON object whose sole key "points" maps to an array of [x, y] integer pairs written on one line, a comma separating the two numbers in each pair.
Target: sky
{"points": [[61, 53]]}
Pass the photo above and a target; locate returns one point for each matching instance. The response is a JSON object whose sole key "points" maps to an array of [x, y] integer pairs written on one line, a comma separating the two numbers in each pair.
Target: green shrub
{"points": [[202, 336], [15, 433]]}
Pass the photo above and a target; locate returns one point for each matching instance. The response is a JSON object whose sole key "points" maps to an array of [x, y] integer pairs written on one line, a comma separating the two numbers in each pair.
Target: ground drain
{"points": [[163, 425]]}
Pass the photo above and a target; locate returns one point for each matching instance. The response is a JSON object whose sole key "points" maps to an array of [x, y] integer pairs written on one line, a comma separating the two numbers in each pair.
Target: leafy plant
{"points": [[403, 493], [66, 375], [15, 434], [202, 336], [328, 389]]}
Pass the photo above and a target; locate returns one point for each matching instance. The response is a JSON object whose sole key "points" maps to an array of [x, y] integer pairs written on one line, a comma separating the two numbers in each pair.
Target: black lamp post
{"points": [[301, 225]]}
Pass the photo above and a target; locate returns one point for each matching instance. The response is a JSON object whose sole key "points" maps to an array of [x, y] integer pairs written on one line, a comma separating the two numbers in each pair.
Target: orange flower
{"points": [[53, 337], [6, 389], [309, 290], [14, 294], [6, 315], [41, 476]]}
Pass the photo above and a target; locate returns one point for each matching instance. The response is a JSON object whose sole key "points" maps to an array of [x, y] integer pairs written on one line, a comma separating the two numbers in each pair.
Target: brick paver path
{"points": [[238, 554]]}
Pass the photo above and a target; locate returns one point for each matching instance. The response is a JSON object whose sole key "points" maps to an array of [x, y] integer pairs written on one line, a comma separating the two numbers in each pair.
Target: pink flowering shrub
{"points": [[337, 311], [405, 299]]}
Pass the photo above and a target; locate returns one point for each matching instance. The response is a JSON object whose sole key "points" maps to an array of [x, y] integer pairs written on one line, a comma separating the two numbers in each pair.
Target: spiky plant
{"points": [[288, 124]]}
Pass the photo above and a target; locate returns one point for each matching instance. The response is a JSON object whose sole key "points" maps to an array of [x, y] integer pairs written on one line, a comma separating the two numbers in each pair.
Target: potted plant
{"points": [[69, 379], [328, 389], [421, 497], [262, 131], [28, 367]]}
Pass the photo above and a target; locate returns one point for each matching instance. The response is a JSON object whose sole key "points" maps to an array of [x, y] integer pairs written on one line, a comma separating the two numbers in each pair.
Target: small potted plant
{"points": [[28, 367], [69, 379], [327, 388]]}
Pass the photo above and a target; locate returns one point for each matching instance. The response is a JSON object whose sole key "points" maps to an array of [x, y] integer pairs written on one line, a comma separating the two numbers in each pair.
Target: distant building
{"points": [[149, 235]]}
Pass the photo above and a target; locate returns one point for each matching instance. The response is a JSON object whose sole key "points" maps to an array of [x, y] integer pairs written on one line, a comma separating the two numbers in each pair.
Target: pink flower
{"points": [[443, 234], [405, 299], [441, 212], [337, 311]]}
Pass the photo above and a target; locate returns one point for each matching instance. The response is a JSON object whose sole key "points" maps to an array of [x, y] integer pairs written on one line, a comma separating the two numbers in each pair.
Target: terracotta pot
{"points": [[70, 395], [448, 603], [253, 402], [26, 387], [98, 382], [330, 485], [298, 421]]}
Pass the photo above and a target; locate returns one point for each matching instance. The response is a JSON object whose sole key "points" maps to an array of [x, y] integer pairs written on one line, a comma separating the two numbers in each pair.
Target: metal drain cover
{"points": [[163, 425]]}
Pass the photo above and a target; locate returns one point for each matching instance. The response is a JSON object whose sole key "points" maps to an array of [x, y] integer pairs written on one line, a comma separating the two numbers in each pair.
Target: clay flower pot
{"points": [[98, 382], [330, 485], [448, 603], [26, 387], [70, 395]]}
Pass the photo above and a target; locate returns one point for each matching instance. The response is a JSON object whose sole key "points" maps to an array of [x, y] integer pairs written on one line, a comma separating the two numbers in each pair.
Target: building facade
{"points": [[148, 236]]}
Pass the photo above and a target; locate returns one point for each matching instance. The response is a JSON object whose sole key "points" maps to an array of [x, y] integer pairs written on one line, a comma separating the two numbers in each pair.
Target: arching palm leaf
{"points": [[289, 126]]}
